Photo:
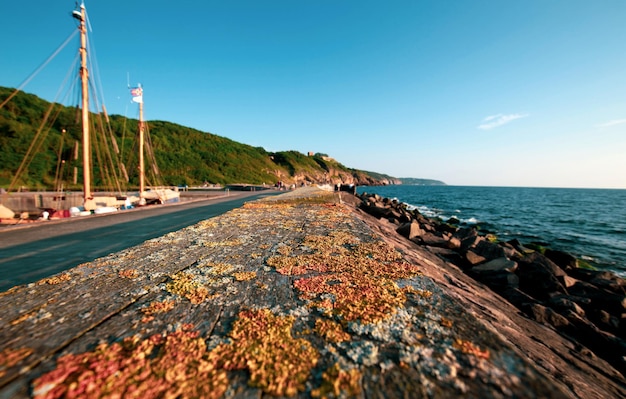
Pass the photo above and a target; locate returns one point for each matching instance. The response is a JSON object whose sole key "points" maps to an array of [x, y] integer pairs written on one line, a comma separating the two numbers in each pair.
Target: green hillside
{"points": [[183, 155]]}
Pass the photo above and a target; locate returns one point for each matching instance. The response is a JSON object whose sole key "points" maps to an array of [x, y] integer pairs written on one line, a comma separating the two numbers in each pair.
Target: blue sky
{"points": [[491, 92]]}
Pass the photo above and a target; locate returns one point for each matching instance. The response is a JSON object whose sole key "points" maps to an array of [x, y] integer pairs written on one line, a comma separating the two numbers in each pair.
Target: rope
{"points": [[42, 132], [42, 66]]}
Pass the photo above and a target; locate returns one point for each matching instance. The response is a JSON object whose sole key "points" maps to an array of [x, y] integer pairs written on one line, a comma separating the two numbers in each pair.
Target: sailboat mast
{"points": [[142, 173], [84, 78], [137, 94]]}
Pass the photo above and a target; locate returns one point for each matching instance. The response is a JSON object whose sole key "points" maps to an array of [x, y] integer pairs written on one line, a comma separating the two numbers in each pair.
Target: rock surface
{"points": [[302, 295]]}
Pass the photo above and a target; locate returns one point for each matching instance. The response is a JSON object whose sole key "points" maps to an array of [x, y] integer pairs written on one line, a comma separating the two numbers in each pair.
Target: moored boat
{"points": [[60, 203]]}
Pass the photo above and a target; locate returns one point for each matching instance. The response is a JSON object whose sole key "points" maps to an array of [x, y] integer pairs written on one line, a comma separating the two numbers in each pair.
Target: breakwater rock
{"points": [[299, 295], [548, 286]]}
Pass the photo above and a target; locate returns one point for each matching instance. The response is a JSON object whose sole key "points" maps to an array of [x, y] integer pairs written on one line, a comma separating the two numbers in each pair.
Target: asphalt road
{"points": [[28, 254]]}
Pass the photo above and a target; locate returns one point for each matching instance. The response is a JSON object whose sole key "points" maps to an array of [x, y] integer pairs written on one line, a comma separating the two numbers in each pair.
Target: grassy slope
{"points": [[184, 155]]}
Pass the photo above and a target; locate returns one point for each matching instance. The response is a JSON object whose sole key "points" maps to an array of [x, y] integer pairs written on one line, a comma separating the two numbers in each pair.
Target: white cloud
{"points": [[613, 123], [493, 121]]}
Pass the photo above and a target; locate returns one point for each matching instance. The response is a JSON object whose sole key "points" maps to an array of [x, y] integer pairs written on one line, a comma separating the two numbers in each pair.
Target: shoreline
{"points": [[588, 225]]}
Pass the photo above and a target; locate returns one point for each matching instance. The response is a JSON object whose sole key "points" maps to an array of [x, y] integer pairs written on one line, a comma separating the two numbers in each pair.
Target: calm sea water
{"points": [[588, 223]]}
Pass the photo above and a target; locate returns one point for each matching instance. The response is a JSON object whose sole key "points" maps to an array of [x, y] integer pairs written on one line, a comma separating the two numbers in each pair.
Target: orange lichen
{"points": [[339, 383], [175, 366], [359, 276], [284, 250], [336, 239], [179, 365], [244, 276], [417, 292], [471, 348], [262, 344], [183, 284], [128, 273], [56, 279], [225, 243], [219, 268], [296, 265], [156, 307], [207, 224], [365, 299], [278, 262], [11, 357], [255, 205], [331, 331]]}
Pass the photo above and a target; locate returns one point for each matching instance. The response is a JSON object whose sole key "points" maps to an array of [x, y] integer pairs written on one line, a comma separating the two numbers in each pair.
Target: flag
{"points": [[137, 93]]}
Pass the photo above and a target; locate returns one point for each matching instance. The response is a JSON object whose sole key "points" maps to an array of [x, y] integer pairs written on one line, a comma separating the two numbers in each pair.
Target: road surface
{"points": [[28, 254]]}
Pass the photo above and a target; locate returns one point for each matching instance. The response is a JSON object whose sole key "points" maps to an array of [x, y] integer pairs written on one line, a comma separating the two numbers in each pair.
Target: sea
{"points": [[587, 223]]}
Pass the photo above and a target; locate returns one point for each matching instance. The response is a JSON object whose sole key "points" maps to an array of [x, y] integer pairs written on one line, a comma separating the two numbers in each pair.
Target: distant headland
{"points": [[412, 181]]}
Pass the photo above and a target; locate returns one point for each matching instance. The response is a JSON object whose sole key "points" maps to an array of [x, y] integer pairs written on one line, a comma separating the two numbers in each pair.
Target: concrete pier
{"points": [[298, 295]]}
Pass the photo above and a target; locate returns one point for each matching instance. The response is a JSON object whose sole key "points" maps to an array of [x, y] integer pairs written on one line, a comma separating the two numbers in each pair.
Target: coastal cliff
{"points": [[298, 295], [298, 169]]}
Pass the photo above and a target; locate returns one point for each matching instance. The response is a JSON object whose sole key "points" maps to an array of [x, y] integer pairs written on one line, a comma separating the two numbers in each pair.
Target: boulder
{"points": [[421, 219], [605, 321], [447, 254], [393, 221], [515, 243], [473, 258], [600, 298], [428, 227], [466, 232], [609, 282], [581, 300], [445, 228], [499, 281], [590, 274], [470, 242], [396, 214], [431, 240], [563, 303], [510, 251], [538, 276], [454, 221], [489, 250], [496, 265], [622, 325], [604, 344], [405, 216], [409, 230], [562, 259], [567, 281], [376, 211], [545, 315], [454, 243]]}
